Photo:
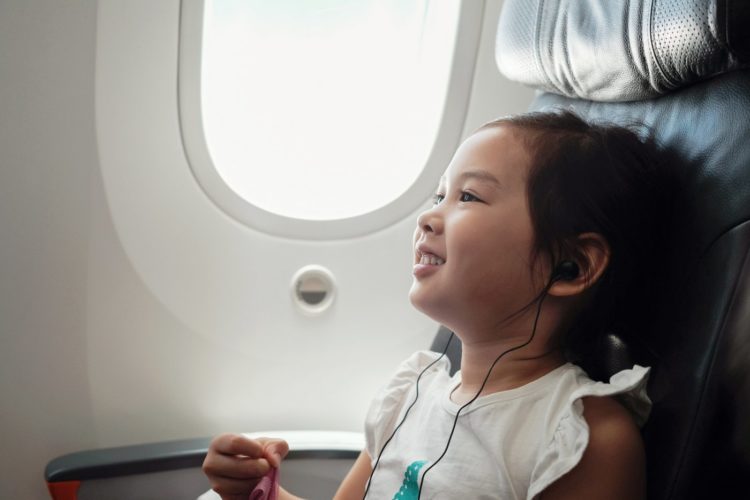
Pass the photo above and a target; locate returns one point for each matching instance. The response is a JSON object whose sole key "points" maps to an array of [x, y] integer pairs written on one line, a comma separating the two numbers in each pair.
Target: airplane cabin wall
{"points": [[47, 163], [101, 349]]}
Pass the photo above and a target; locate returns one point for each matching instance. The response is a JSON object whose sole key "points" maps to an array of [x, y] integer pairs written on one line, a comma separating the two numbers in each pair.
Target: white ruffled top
{"points": [[511, 444]]}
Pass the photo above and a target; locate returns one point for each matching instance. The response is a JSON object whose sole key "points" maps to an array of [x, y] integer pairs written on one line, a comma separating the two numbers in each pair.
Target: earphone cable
{"points": [[416, 396], [486, 378]]}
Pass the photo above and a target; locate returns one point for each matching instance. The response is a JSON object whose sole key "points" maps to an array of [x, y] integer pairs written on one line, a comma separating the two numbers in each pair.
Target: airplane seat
{"points": [[681, 68]]}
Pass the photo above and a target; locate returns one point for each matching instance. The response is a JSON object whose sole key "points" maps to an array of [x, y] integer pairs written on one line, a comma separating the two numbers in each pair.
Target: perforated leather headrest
{"points": [[613, 50]]}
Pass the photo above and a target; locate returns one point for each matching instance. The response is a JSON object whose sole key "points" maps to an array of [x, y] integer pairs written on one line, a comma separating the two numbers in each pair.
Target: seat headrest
{"points": [[611, 50]]}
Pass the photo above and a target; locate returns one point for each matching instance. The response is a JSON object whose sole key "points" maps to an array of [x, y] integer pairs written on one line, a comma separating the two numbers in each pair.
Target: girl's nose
{"points": [[430, 221]]}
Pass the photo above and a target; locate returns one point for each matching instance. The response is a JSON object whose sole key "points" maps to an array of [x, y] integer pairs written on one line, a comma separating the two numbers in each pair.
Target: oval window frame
{"points": [[208, 178]]}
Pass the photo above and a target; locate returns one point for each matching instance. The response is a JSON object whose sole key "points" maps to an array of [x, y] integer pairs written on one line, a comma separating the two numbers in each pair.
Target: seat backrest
{"points": [[678, 67]]}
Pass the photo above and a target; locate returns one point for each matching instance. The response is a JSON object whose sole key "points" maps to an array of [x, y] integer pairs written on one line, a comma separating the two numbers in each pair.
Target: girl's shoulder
{"points": [[590, 415], [607, 455], [628, 387]]}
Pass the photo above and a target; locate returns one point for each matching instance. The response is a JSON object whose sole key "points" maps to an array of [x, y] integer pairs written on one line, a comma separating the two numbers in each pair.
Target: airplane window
{"points": [[324, 110]]}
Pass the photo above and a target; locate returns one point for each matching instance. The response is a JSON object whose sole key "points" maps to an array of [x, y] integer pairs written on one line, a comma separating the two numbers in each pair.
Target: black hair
{"points": [[603, 178]]}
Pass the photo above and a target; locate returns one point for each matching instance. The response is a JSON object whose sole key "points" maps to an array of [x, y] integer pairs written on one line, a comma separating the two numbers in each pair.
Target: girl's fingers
{"points": [[235, 467], [235, 464], [236, 444], [274, 450]]}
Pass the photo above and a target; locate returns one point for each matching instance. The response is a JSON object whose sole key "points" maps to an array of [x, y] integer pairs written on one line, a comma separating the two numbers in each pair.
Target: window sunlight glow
{"points": [[324, 109]]}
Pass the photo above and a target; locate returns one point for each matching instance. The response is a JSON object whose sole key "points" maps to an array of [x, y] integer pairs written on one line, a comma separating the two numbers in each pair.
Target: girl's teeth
{"points": [[431, 260]]}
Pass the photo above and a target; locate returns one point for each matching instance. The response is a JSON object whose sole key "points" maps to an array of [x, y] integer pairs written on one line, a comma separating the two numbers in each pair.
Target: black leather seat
{"points": [[678, 67]]}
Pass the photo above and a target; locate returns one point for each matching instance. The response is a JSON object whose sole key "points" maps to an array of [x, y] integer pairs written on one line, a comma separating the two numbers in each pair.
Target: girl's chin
{"points": [[424, 303], [416, 297]]}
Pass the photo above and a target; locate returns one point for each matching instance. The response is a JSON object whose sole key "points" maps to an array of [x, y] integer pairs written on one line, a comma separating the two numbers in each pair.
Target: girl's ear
{"points": [[595, 254]]}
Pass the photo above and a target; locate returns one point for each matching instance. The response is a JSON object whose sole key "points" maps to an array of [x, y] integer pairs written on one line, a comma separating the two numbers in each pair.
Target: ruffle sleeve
{"points": [[571, 436], [387, 405]]}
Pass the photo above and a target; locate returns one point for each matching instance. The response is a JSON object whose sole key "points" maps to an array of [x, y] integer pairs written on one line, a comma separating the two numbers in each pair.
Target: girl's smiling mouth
{"points": [[426, 262]]}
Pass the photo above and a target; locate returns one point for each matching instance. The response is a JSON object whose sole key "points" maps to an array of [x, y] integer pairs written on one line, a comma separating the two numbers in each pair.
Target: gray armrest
{"points": [[126, 460]]}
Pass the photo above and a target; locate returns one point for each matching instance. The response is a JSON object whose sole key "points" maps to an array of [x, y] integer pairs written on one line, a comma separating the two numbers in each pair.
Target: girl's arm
{"points": [[353, 486], [613, 465]]}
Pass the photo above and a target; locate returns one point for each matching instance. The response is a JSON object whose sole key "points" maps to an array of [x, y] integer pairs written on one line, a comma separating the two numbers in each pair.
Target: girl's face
{"points": [[472, 249]]}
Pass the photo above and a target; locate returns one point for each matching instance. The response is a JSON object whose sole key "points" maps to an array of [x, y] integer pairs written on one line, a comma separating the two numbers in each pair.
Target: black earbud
{"points": [[566, 270]]}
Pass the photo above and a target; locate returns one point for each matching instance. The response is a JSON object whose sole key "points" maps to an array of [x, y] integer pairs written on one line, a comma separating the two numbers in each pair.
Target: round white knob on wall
{"points": [[313, 289]]}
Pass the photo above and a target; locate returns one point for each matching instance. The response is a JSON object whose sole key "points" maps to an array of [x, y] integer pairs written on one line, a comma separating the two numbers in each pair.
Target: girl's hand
{"points": [[234, 463]]}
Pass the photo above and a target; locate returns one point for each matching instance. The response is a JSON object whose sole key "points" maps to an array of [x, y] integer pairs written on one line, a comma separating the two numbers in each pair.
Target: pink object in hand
{"points": [[268, 487]]}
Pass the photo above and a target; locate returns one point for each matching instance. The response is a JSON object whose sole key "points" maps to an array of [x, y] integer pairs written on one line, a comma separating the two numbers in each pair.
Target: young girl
{"points": [[539, 236]]}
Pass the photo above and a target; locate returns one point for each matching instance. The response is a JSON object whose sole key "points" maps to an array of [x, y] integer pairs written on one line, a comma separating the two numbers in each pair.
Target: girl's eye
{"points": [[437, 198], [468, 197]]}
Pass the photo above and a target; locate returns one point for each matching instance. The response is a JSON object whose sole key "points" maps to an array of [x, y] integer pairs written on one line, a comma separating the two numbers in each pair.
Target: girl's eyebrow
{"points": [[480, 175]]}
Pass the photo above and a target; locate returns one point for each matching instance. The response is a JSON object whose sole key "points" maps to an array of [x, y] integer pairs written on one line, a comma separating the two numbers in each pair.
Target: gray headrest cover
{"points": [[618, 50]]}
